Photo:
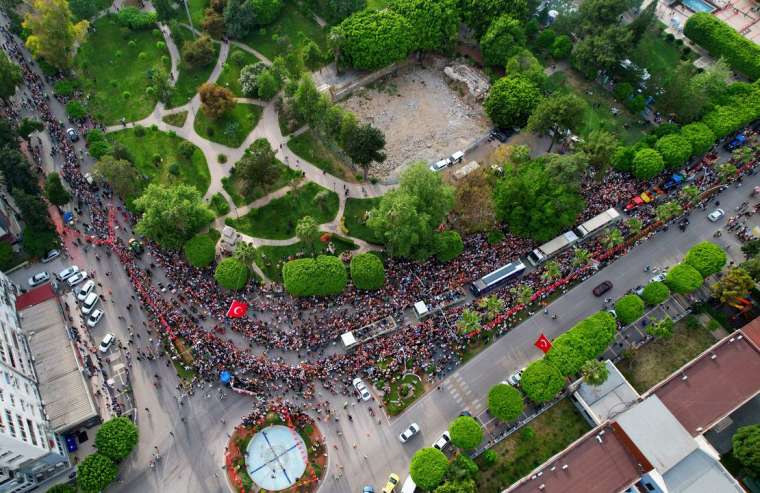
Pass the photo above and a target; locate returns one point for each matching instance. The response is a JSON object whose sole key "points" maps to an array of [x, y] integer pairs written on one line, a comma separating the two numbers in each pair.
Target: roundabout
{"points": [[276, 458]]}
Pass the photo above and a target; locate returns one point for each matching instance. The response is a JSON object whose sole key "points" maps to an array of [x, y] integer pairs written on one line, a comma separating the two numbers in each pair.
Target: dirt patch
{"points": [[422, 117]]}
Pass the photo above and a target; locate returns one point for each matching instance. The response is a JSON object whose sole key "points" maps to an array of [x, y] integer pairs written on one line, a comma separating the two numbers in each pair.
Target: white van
{"points": [[409, 486], [89, 303], [457, 157], [86, 289]]}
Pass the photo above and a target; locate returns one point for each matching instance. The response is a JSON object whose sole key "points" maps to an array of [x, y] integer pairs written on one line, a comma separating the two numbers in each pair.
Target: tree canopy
{"points": [[321, 276], [707, 257], [200, 250], [541, 381], [655, 293], [504, 38], [10, 77], [683, 279], [505, 402], [466, 433], [95, 473], [647, 163], [53, 36], [371, 39], [367, 271], [746, 448], [428, 467], [232, 274], [121, 174], [674, 149], [629, 308], [116, 438], [511, 100], [434, 23]]}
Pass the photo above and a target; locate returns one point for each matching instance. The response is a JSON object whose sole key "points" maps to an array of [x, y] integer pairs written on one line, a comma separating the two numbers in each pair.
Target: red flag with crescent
{"points": [[543, 343], [238, 309]]}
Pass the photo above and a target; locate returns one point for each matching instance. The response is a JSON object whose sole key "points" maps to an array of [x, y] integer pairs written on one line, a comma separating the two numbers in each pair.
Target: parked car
{"points": [[368, 489], [602, 288], [89, 303], [443, 441], [76, 278], [106, 343], [457, 157], [390, 486], [514, 379], [736, 142], [409, 433], [39, 278], [67, 272], [438, 166], [716, 215], [85, 290], [50, 256], [361, 388], [72, 134], [659, 277], [95, 317]]}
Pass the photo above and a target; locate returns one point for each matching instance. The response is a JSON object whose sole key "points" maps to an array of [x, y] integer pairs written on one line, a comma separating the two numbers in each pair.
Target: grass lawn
{"points": [[241, 194], [230, 76], [659, 56], [189, 77], [230, 129], [354, 219], [154, 143], [291, 22], [176, 119], [196, 8], [653, 362], [394, 404], [109, 68], [270, 258], [519, 454], [277, 220], [309, 147]]}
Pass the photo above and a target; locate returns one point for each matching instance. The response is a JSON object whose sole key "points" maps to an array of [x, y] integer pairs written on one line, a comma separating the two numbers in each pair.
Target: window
{"points": [[31, 431], [13, 400], [9, 420], [649, 487], [21, 428]]}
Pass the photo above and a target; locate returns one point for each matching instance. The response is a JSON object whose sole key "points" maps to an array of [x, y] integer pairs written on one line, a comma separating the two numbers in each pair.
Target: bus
{"points": [[598, 223], [550, 248], [497, 278]]}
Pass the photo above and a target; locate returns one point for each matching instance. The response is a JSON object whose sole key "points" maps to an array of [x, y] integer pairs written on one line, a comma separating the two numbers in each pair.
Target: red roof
{"points": [[752, 331], [35, 296]]}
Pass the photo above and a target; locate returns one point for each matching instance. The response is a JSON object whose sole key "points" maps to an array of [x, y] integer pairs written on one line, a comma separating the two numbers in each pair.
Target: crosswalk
{"points": [[463, 395]]}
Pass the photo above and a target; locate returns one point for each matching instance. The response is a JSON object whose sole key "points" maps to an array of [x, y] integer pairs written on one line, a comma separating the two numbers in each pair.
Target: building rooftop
{"points": [[64, 390], [700, 473], [35, 296], [752, 330], [612, 397], [716, 383]]}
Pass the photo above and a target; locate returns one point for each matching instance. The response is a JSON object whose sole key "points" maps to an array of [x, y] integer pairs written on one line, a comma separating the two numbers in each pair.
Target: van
{"points": [[86, 289], [409, 486], [457, 157], [89, 303]]}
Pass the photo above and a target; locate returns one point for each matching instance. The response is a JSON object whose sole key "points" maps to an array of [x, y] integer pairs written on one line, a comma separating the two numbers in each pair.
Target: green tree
{"points": [[597, 14], [746, 448], [466, 433], [699, 136], [367, 271], [231, 274], [164, 9], [83, 9], [598, 146], [634, 226], [667, 211], [249, 78], [642, 22], [493, 305], [371, 39], [556, 115], [525, 64], [53, 36], [199, 52], [504, 38], [27, 126], [95, 473], [123, 177], [594, 372], [62, 488], [683, 279], [365, 145], [447, 245], [239, 18], [505, 402], [661, 329], [751, 248], [337, 10], [469, 321], [726, 171], [600, 51], [674, 149], [707, 257], [428, 467], [267, 85], [541, 381], [265, 12], [581, 257], [434, 23], [258, 166], [655, 293], [54, 191], [562, 47], [200, 250], [478, 14], [116, 438], [612, 238], [321, 276], [522, 293], [307, 230], [171, 214], [464, 486], [10, 77], [552, 270], [689, 194], [511, 101], [245, 252], [752, 266], [647, 163], [158, 78], [629, 308], [735, 284]]}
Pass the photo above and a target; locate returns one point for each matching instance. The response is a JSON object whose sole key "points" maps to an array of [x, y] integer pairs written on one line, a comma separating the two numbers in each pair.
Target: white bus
{"points": [[598, 223], [550, 248], [497, 278]]}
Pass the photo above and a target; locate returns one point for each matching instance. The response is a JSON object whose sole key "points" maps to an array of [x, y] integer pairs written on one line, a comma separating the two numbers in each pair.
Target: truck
{"points": [[552, 247]]}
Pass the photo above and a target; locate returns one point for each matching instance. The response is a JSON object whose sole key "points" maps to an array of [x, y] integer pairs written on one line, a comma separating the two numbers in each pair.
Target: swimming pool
{"points": [[698, 6]]}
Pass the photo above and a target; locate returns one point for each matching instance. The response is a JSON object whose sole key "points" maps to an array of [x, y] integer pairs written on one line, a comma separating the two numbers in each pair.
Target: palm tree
{"points": [[594, 372], [492, 306], [468, 322], [335, 41], [245, 252], [581, 257], [634, 226], [613, 238], [552, 271], [689, 194], [522, 293]]}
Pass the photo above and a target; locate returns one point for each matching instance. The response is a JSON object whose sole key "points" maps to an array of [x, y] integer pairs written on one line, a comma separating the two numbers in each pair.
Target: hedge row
{"points": [[586, 340], [721, 40], [323, 276]]}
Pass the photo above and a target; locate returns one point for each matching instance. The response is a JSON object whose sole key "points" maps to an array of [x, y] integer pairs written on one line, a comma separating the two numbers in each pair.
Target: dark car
{"points": [[72, 134], [602, 288]]}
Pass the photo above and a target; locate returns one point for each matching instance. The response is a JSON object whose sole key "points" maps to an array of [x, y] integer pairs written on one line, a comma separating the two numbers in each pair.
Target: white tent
{"points": [[421, 310], [348, 339]]}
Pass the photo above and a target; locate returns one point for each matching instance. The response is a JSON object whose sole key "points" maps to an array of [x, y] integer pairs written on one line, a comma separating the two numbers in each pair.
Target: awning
{"points": [[348, 339]]}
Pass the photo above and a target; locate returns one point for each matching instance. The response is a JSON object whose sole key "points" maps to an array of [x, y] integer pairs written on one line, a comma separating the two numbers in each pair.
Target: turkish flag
{"points": [[238, 309], [543, 343]]}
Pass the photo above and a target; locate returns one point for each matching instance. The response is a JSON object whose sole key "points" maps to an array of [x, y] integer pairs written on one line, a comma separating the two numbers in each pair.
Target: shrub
{"points": [[323, 276], [655, 293], [541, 381], [448, 245], [746, 445], [708, 258], [75, 110], [200, 250], [374, 38], [722, 41], [186, 149], [95, 473], [139, 130], [683, 279], [647, 163], [136, 19], [231, 274], [116, 438], [466, 433], [428, 467], [699, 136], [586, 340], [505, 402], [489, 457], [674, 149], [367, 271], [629, 308]]}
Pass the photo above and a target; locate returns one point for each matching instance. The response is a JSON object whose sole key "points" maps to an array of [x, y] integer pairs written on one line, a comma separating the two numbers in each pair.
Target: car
{"points": [[409, 433], [514, 379], [443, 441], [716, 215], [106, 343], [39, 278], [638, 290], [50, 256], [361, 388], [457, 157], [736, 143], [602, 288], [438, 166], [390, 486], [465, 412], [72, 134], [85, 290], [368, 489], [659, 277], [95, 317], [89, 303], [76, 278], [67, 272]]}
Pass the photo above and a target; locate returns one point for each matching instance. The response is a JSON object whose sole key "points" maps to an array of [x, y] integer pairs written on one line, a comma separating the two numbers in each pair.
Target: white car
{"points": [[716, 215], [409, 433], [514, 379], [95, 317], [50, 256], [659, 277], [106, 343], [76, 278], [85, 290], [67, 272], [361, 388], [89, 303], [440, 164], [443, 441], [39, 278]]}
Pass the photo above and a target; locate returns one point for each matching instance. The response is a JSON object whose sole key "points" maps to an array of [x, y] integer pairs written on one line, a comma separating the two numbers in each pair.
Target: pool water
{"points": [[698, 6]]}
